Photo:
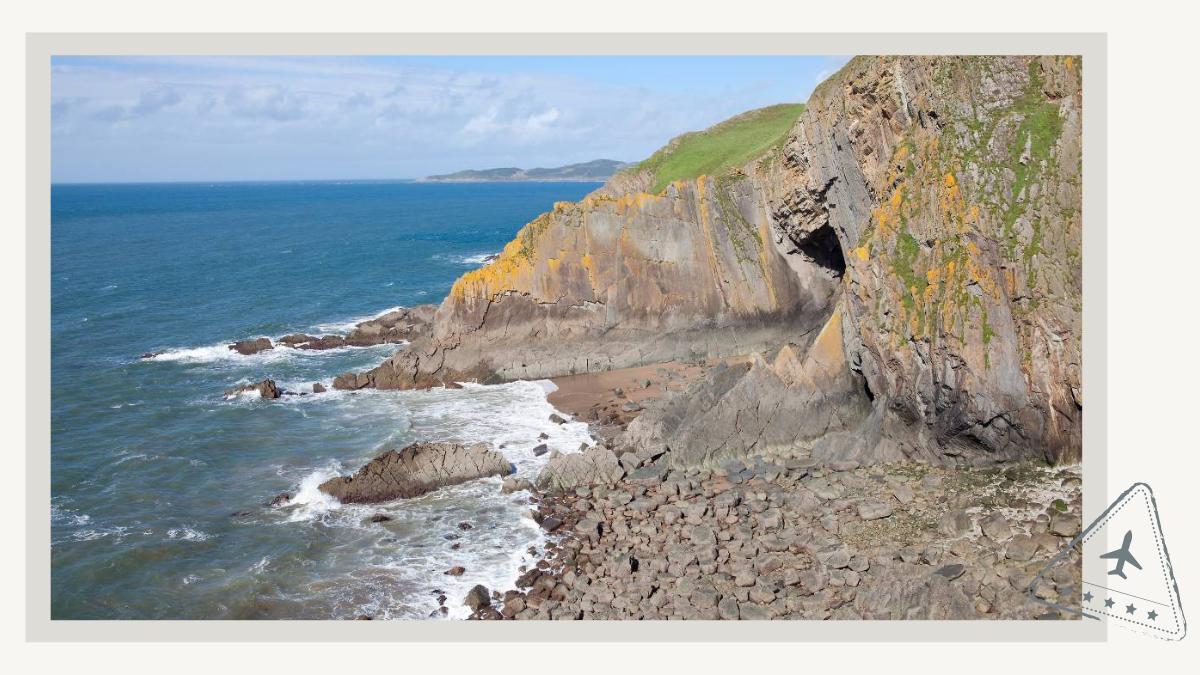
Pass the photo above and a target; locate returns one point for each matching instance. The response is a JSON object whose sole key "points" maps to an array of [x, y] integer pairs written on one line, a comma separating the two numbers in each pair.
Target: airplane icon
{"points": [[1122, 556]]}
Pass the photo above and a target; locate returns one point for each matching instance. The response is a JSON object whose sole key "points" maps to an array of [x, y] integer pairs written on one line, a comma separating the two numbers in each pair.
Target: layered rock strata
{"points": [[906, 269]]}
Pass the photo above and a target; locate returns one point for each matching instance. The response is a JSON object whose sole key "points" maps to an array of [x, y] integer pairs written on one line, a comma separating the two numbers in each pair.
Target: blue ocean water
{"points": [[159, 483]]}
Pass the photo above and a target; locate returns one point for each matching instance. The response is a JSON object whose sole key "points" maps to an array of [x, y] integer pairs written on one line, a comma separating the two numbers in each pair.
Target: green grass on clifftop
{"points": [[734, 142]]}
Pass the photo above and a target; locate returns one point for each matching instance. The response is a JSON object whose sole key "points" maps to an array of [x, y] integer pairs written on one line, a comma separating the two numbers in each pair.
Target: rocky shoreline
{"points": [[786, 539]]}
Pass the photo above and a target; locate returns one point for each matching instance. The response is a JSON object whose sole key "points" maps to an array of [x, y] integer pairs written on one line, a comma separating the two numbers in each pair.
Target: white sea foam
{"points": [[474, 259], [187, 533], [344, 327], [397, 563], [309, 502], [222, 352]]}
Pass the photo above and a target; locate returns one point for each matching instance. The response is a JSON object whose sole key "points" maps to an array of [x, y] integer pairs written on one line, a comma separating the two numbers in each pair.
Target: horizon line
{"points": [[420, 179]]}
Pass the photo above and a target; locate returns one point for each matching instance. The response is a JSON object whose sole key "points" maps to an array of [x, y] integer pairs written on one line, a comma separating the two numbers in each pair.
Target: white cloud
{"points": [[346, 117]]}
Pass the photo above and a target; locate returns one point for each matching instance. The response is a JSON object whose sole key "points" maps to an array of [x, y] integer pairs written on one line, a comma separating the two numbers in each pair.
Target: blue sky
{"points": [[123, 119]]}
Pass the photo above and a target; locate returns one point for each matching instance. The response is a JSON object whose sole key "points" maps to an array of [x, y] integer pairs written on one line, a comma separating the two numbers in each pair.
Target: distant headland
{"points": [[595, 170]]}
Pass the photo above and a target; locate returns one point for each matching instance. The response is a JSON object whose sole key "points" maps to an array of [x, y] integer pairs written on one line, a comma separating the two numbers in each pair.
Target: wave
{"points": [[474, 259], [344, 327], [187, 533], [222, 352], [309, 503]]}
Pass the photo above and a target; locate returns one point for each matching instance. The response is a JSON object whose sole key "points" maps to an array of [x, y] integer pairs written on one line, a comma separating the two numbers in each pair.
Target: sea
{"points": [[159, 485]]}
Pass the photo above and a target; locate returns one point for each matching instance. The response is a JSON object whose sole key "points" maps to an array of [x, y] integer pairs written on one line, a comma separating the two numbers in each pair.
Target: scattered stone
{"points": [[318, 388], [903, 493], [996, 527], [456, 571], [557, 419], [951, 572], [873, 510], [380, 518], [955, 524], [1064, 525], [1021, 548]]}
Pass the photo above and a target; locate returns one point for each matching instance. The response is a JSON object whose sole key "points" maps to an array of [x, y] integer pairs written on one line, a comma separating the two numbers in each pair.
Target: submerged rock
{"points": [[416, 470], [265, 389], [324, 342]]}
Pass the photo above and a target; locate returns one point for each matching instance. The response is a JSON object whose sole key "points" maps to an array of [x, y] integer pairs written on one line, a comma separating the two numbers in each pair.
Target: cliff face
{"points": [[954, 186], [907, 267], [624, 278]]}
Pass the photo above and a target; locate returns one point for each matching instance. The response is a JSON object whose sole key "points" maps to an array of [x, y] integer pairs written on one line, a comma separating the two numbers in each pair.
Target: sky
{"points": [[216, 118]]}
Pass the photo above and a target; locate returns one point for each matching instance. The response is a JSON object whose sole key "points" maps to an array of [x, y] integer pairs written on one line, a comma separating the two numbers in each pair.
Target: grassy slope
{"points": [[731, 143]]}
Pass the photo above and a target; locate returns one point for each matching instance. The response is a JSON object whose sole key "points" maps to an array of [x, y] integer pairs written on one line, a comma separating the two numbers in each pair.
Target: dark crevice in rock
{"points": [[824, 249]]}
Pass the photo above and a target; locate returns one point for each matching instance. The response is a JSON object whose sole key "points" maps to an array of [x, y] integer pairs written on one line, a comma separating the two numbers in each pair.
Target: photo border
{"points": [[40, 47]]}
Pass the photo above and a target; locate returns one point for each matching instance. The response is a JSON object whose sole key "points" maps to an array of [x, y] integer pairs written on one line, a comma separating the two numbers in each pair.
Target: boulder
{"points": [[478, 598], [249, 347], [416, 470], [318, 388]]}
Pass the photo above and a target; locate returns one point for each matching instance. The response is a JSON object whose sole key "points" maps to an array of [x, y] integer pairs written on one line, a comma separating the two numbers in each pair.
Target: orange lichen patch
{"points": [[512, 270], [862, 253], [981, 274], [1069, 62], [927, 296], [631, 202], [887, 215], [553, 265], [950, 267], [933, 276], [901, 153]]}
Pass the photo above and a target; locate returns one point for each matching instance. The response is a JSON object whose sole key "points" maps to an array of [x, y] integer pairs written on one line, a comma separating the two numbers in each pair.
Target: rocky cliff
{"points": [[906, 266], [952, 188], [624, 278]]}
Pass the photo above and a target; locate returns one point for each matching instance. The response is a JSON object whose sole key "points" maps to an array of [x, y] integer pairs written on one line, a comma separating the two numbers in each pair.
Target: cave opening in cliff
{"points": [[824, 249]]}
